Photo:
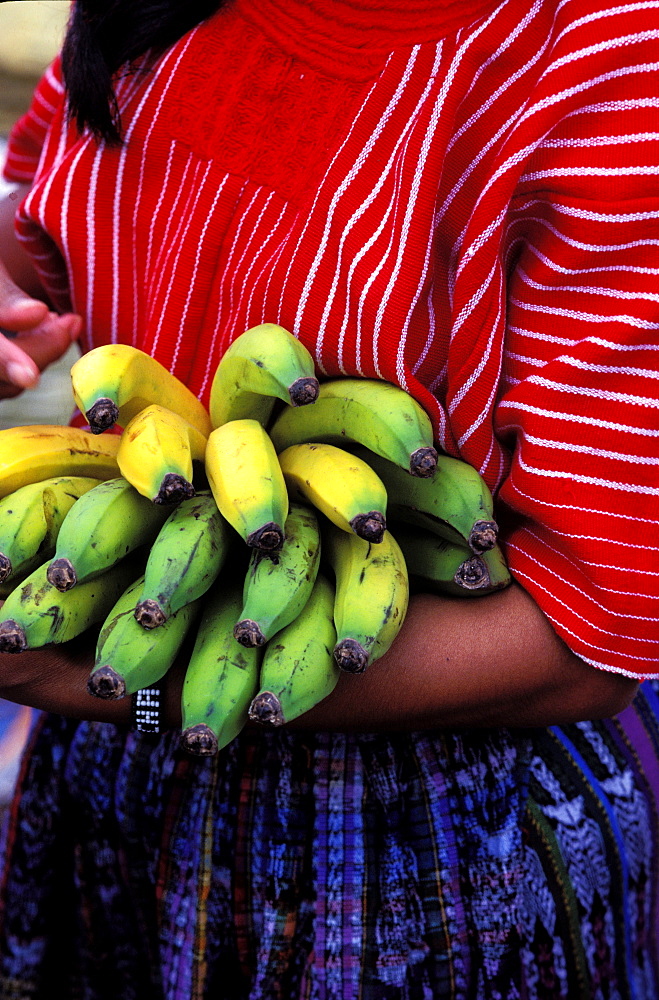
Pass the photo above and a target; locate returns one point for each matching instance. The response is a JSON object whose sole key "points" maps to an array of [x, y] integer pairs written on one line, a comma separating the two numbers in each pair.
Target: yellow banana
{"points": [[34, 452], [36, 614], [113, 382], [372, 593], [107, 523], [441, 566], [30, 519], [262, 365], [276, 590], [380, 416], [455, 502], [221, 677], [341, 485], [298, 669], [157, 454], [247, 483]]}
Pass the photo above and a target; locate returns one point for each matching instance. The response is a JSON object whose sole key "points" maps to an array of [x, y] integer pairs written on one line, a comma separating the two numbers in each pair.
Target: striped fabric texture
{"points": [[471, 214]]}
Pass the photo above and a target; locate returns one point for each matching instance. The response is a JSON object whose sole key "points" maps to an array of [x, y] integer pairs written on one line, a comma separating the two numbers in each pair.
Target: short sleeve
{"points": [[579, 409], [28, 135]]}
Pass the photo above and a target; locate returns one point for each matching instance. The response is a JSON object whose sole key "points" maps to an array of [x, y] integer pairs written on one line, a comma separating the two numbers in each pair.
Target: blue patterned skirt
{"points": [[471, 865]]}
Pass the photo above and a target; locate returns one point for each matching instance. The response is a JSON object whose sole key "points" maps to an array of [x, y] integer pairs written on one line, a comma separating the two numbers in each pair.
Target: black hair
{"points": [[103, 35]]}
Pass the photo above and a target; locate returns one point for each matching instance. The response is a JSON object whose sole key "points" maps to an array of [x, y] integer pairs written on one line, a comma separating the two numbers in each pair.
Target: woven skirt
{"points": [[470, 865]]}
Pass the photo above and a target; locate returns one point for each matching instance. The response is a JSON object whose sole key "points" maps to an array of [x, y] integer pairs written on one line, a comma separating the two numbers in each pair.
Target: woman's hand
{"points": [[38, 337]]}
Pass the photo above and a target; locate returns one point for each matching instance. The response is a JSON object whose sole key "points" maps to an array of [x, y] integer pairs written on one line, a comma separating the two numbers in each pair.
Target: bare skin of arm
{"points": [[492, 661], [41, 335]]}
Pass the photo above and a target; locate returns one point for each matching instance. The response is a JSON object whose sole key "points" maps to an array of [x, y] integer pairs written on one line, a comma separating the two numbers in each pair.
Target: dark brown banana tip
{"points": [[12, 637], [483, 536], [200, 740], [102, 415], [423, 462], [268, 539], [350, 656], [61, 575], [5, 567], [248, 633], [266, 709], [149, 614], [304, 391], [472, 574], [370, 526], [174, 489], [106, 683]]}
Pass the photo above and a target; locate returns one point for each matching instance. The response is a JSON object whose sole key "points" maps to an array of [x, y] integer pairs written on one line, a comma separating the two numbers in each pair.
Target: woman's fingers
{"points": [[24, 354]]}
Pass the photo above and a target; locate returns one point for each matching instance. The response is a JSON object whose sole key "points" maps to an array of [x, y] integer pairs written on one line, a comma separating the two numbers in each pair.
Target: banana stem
{"points": [[149, 614]]}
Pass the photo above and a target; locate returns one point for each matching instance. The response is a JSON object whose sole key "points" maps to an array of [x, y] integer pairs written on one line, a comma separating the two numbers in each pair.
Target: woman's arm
{"points": [[457, 662], [41, 336]]}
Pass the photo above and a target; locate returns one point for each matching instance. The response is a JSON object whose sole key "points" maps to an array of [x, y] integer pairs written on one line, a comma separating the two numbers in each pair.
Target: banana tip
{"points": [[266, 709], [174, 489], [5, 567], [200, 740], [350, 656], [268, 539], [248, 633], [61, 575], [483, 536], [370, 526], [12, 637], [102, 415], [304, 391], [423, 462], [106, 683], [149, 614]]}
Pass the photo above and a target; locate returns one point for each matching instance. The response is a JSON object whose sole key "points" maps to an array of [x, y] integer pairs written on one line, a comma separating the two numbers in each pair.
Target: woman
{"points": [[431, 194]]}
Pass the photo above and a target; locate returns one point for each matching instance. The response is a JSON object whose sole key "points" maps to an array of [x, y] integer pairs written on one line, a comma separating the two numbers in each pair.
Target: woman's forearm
{"points": [[12, 254], [457, 662], [484, 661]]}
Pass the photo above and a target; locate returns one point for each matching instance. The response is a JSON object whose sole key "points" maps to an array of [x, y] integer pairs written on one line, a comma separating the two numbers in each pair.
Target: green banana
{"points": [[129, 657], [379, 415], [298, 668], [372, 594], [455, 502], [102, 527], [441, 566], [262, 365], [247, 482], [184, 560], [341, 485], [36, 614], [30, 519], [221, 676], [276, 590]]}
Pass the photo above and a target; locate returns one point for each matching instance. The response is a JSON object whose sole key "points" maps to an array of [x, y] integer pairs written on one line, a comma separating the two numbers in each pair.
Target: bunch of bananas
{"points": [[271, 542]]}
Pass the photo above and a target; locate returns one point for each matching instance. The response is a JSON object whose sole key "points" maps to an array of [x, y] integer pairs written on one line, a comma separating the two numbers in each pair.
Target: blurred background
{"points": [[30, 35]]}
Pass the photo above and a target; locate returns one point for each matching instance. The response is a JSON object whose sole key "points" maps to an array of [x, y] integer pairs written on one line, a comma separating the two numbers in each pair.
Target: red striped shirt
{"points": [[468, 209]]}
